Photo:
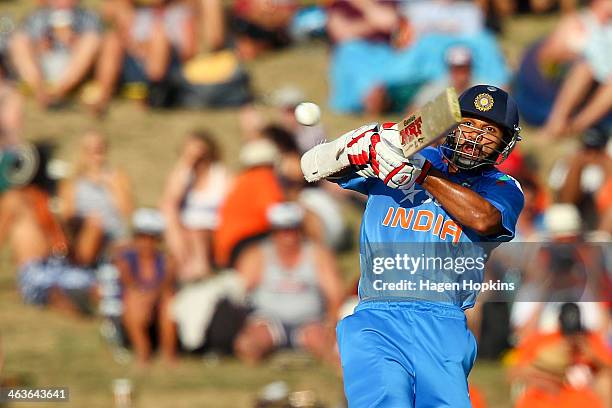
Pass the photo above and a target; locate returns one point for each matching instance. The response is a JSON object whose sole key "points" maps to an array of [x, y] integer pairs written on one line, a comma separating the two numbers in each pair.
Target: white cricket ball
{"points": [[308, 113]]}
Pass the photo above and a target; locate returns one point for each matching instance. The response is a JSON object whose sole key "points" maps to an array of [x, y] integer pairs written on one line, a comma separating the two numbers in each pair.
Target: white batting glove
{"points": [[351, 150], [389, 164], [359, 147]]}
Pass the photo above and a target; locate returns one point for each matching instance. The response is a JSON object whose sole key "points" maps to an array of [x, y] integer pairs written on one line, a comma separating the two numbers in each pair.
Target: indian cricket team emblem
{"points": [[484, 102]]}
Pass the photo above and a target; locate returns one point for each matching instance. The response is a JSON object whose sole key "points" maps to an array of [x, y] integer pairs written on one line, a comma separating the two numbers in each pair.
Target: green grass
{"points": [[47, 349]]}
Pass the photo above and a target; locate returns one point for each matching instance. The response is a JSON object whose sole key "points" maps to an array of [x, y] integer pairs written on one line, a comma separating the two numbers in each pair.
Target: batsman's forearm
{"points": [[467, 207]]}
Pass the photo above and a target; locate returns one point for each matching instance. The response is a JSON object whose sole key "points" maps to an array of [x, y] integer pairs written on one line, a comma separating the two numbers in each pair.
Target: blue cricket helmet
{"points": [[492, 104]]}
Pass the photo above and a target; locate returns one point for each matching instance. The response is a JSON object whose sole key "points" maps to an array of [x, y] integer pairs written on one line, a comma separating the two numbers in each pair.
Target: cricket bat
{"points": [[417, 131], [430, 123]]}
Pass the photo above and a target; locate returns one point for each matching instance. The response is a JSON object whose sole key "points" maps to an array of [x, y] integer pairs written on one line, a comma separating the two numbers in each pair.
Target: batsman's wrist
{"points": [[424, 172]]}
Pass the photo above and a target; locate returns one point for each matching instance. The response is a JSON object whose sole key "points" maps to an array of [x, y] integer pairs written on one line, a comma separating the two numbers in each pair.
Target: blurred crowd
{"points": [[245, 261], [384, 55], [257, 237]]}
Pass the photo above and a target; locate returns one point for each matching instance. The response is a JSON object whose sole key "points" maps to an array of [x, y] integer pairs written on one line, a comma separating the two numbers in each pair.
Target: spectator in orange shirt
{"points": [[603, 201], [243, 214], [567, 368], [477, 398]]}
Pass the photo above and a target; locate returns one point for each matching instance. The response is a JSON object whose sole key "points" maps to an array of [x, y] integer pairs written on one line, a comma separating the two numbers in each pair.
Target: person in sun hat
{"points": [[148, 283], [294, 287]]}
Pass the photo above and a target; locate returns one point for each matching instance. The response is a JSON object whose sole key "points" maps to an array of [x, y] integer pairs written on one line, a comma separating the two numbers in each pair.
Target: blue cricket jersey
{"points": [[407, 236]]}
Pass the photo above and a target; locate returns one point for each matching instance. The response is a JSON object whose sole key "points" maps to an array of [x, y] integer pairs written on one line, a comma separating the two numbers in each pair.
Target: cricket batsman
{"points": [[407, 346]]}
